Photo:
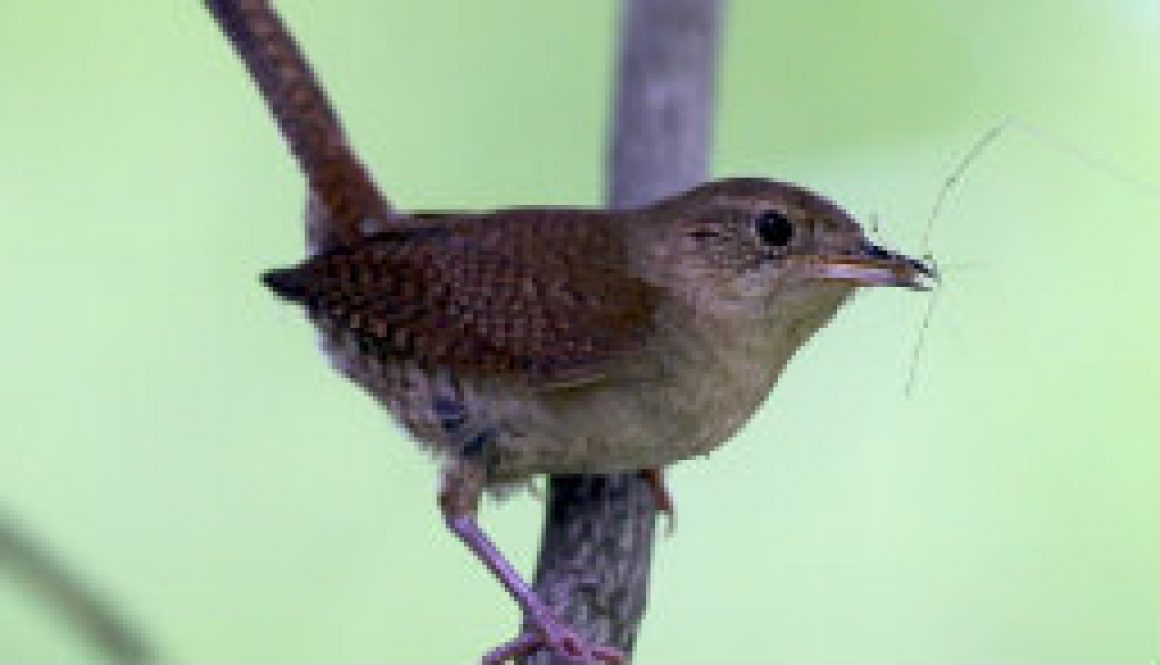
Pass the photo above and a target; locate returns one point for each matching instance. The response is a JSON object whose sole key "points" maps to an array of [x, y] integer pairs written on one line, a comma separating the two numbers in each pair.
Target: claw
{"points": [[524, 645], [546, 632]]}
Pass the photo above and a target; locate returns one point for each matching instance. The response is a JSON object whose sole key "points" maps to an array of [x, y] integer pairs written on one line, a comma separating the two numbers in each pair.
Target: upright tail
{"points": [[338, 181]]}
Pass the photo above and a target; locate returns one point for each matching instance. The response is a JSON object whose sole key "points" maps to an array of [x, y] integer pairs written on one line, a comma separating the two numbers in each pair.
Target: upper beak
{"points": [[872, 265]]}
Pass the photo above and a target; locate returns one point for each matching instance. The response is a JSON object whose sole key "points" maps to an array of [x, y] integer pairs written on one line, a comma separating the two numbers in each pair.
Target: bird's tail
{"points": [[288, 283], [337, 179]]}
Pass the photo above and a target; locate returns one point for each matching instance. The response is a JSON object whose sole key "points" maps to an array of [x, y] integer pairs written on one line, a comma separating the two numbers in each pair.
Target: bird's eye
{"points": [[773, 228]]}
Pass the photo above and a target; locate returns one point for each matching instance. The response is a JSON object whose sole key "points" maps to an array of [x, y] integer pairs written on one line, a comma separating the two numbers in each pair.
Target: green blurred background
{"points": [[169, 430]]}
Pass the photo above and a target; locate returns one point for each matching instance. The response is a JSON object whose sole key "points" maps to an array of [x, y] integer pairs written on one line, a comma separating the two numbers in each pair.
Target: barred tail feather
{"points": [[338, 181]]}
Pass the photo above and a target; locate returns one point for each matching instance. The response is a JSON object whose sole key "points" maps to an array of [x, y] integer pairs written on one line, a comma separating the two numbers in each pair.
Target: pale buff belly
{"points": [[690, 398]]}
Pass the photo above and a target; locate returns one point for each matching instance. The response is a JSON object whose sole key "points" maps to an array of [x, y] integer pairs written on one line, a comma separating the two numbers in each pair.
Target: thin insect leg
{"points": [[957, 174], [1080, 155], [920, 342], [1092, 161]]}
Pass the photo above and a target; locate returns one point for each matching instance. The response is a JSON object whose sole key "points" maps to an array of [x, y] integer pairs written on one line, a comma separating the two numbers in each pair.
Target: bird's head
{"points": [[765, 249]]}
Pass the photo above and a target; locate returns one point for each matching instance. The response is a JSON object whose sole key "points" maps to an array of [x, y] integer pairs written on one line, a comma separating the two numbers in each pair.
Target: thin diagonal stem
{"points": [[110, 634]]}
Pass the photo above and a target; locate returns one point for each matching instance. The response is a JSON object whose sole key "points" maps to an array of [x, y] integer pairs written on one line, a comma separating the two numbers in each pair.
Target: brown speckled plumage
{"points": [[538, 296]]}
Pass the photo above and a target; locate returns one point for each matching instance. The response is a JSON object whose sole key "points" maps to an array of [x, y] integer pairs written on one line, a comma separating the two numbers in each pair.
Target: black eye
{"points": [[773, 228]]}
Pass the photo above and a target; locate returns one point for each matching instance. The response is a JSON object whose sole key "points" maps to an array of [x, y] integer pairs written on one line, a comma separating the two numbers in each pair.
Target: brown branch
{"points": [[598, 534], [97, 620]]}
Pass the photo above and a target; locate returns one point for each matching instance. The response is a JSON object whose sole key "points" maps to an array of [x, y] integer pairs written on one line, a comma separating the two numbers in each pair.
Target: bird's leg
{"points": [[462, 486], [662, 499]]}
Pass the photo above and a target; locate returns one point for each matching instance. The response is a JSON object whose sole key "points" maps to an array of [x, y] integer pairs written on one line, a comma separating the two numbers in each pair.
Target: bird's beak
{"points": [[872, 265]]}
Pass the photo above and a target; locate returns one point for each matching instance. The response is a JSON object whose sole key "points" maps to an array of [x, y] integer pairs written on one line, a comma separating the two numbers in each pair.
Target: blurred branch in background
{"points": [[596, 550], [89, 615]]}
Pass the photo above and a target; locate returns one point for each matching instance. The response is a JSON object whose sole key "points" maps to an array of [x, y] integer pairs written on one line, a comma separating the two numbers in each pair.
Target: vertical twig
{"points": [[598, 534], [663, 113]]}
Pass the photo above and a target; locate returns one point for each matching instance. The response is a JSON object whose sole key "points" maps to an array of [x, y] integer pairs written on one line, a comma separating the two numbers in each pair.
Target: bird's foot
{"points": [[546, 632]]}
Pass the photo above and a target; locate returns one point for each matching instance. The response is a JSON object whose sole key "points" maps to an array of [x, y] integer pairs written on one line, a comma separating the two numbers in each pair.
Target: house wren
{"points": [[552, 340]]}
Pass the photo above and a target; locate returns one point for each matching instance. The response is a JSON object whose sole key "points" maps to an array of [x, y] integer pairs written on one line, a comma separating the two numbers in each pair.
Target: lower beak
{"points": [[875, 266]]}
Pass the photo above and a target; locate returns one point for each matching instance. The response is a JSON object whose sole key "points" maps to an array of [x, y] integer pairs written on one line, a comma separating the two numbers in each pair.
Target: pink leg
{"points": [[457, 499]]}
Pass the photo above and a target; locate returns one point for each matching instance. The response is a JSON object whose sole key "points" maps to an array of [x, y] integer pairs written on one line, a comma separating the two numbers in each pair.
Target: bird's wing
{"points": [[545, 297]]}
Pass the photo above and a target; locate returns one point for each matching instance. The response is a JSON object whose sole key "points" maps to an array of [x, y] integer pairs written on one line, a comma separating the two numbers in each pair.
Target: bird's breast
{"points": [[696, 383]]}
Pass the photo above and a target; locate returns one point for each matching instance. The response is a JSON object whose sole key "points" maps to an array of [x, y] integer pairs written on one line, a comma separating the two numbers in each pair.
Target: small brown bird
{"points": [[542, 340]]}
